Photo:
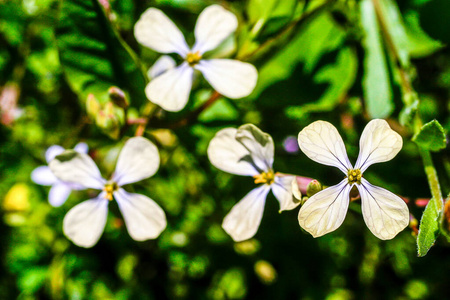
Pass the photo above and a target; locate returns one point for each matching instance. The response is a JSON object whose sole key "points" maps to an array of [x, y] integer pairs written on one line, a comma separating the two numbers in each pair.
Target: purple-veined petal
{"points": [[242, 222], [213, 26], [282, 190], [44, 176], [259, 144], [156, 31], [85, 222], [144, 218], [232, 78], [79, 168], [58, 194], [138, 160], [378, 143], [227, 154], [385, 213], [325, 211], [321, 142], [171, 90]]}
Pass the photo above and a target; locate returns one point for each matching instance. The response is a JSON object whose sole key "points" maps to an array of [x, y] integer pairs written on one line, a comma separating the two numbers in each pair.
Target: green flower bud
{"points": [[118, 97], [313, 187]]}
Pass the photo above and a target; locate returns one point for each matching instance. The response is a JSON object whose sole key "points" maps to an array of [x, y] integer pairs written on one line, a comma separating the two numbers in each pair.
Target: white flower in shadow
{"points": [[84, 223]]}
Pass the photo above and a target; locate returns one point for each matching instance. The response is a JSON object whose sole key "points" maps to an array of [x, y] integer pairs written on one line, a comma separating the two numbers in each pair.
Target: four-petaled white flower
{"points": [[60, 190], [250, 152], [171, 89], [385, 213], [84, 223]]}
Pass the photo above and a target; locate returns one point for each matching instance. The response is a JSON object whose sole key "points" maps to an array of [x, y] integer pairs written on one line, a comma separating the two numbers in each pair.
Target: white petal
{"points": [[385, 213], [156, 31], [378, 143], [213, 26], [282, 190], [162, 65], [171, 90], [243, 220], [79, 168], [143, 217], [232, 78], [139, 159], [81, 148], [259, 144], [321, 142], [58, 194], [325, 211], [52, 151], [44, 176], [227, 154], [85, 222]]}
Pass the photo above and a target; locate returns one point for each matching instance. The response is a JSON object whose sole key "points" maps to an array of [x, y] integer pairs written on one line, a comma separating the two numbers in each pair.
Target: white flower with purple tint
{"points": [[248, 151], [84, 223], [60, 190], [385, 213], [170, 90]]}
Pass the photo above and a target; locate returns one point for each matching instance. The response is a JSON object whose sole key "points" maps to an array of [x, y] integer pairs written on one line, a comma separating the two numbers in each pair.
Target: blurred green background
{"points": [[343, 61]]}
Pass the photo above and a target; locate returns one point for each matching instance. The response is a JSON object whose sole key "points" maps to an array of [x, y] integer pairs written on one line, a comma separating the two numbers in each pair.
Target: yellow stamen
{"points": [[354, 176], [193, 58], [110, 188], [267, 178]]}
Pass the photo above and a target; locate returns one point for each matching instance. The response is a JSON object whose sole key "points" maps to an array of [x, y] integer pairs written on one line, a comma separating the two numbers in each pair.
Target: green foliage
{"points": [[431, 137], [345, 62], [93, 55], [429, 227]]}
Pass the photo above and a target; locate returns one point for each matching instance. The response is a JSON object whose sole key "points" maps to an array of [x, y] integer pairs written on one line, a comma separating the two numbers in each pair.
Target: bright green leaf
{"points": [[431, 136], [376, 82], [429, 228], [93, 55]]}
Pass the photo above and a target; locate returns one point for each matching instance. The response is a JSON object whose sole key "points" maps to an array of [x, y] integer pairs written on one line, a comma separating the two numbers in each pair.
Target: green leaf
{"points": [[376, 82], [431, 137], [93, 55], [429, 228]]}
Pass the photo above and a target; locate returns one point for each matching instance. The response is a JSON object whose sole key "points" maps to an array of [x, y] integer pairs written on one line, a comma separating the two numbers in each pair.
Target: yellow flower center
{"points": [[110, 188], [354, 176], [264, 177], [193, 58]]}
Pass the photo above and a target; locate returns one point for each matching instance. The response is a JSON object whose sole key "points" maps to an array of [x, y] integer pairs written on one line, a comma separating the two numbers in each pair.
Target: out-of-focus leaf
{"points": [[271, 14], [396, 28], [376, 83], [318, 50], [431, 136], [429, 228], [419, 43], [93, 56]]}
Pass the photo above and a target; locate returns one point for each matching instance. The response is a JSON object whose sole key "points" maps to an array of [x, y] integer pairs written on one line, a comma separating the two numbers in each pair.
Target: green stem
{"points": [[432, 177]]}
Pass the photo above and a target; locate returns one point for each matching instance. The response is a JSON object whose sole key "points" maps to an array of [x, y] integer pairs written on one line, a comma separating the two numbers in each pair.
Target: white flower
{"points": [[84, 223], [385, 213], [250, 152], [60, 190], [231, 78]]}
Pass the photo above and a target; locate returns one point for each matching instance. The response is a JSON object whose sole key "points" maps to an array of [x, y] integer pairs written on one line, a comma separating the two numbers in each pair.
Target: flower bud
{"points": [[313, 187], [118, 97], [92, 106]]}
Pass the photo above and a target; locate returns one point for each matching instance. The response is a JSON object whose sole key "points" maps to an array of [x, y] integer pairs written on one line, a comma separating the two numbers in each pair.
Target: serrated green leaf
{"points": [[431, 136], [376, 82], [93, 55], [429, 228]]}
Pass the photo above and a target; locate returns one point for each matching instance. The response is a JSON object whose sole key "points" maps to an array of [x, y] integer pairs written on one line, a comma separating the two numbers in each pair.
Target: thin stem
{"points": [[432, 177]]}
